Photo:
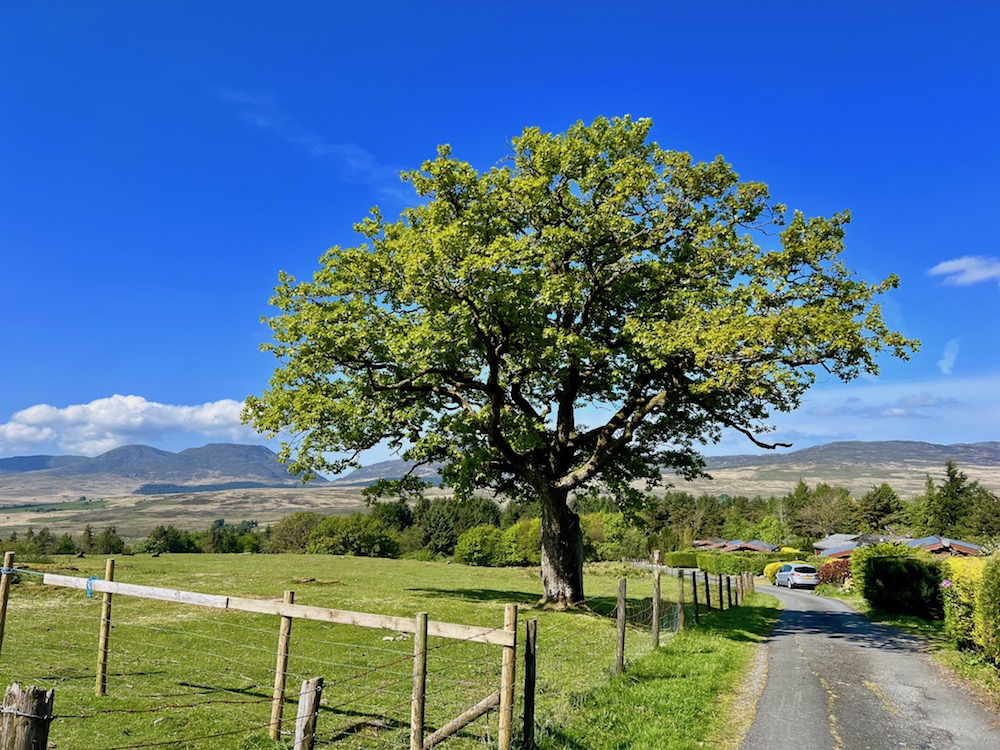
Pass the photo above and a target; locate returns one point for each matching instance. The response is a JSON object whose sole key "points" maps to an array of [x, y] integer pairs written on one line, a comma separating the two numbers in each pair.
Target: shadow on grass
{"points": [[752, 622], [479, 595]]}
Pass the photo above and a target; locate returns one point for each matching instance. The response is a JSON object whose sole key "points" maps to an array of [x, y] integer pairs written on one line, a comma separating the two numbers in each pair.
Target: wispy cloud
{"points": [[261, 110], [968, 270], [107, 423], [947, 362]]}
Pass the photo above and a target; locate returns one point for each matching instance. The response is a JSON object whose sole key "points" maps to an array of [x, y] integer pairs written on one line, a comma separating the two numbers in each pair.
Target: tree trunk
{"points": [[562, 551]]}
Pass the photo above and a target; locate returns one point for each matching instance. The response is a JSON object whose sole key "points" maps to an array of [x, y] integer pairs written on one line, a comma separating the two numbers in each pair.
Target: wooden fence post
{"points": [[281, 670], [530, 667], [506, 723], [656, 609], [26, 718], [708, 592], [101, 683], [722, 603], [694, 592], [419, 683], [680, 602], [308, 714], [620, 646], [729, 591], [8, 572]]}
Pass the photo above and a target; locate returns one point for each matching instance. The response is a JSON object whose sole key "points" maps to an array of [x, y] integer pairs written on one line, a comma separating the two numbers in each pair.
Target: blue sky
{"points": [[160, 162]]}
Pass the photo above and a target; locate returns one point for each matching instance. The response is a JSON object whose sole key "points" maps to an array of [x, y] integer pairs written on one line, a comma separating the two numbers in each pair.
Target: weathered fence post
{"points": [[8, 572], [530, 672], [26, 717], [308, 714], [281, 670], [101, 683], [620, 646], [694, 592], [419, 683], [729, 591], [656, 608], [680, 600], [722, 602], [505, 732], [708, 592]]}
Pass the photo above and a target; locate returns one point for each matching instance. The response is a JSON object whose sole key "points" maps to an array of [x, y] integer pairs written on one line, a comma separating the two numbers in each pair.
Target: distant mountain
{"points": [[869, 453], [392, 469], [140, 469]]}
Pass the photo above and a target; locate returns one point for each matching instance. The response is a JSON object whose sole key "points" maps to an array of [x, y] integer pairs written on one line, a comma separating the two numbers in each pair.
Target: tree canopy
{"points": [[588, 313]]}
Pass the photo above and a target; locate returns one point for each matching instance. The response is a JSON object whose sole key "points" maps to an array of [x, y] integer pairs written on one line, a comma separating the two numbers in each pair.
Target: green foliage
{"points": [[878, 511], [291, 533], [359, 535], [107, 542], [610, 537], [522, 542], [987, 616], [480, 545], [396, 515], [445, 519], [957, 508], [771, 570], [895, 578], [960, 590], [681, 559], [592, 267]]}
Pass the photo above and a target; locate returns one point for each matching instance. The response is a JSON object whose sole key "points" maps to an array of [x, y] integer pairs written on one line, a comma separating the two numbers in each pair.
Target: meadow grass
{"points": [[187, 677]]}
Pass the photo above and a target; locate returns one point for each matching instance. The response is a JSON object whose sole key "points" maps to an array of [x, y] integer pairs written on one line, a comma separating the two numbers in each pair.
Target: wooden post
{"points": [[620, 646], [530, 666], [419, 683], [694, 592], [729, 591], [722, 603], [26, 718], [8, 571], [506, 724], [708, 592], [656, 609], [281, 670], [101, 683], [680, 600], [308, 713]]}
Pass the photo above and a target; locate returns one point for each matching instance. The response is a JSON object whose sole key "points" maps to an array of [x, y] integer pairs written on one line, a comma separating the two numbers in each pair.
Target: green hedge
{"points": [[987, 629], [960, 589], [681, 559]]}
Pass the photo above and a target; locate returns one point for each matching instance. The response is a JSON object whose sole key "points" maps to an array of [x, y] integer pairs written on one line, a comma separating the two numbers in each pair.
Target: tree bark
{"points": [[562, 550]]}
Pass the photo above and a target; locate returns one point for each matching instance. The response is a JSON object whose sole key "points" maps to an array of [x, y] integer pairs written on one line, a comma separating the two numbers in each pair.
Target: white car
{"points": [[797, 575]]}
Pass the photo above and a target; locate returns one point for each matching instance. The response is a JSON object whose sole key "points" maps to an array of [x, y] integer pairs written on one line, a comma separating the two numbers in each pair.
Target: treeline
{"points": [[477, 531]]}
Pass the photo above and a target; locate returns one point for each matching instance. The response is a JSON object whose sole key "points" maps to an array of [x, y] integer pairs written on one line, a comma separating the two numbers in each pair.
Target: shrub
{"points": [[364, 536], [771, 570], [480, 545], [681, 559], [609, 536], [860, 564], [960, 588], [291, 533], [905, 585], [835, 572], [522, 543], [987, 616]]}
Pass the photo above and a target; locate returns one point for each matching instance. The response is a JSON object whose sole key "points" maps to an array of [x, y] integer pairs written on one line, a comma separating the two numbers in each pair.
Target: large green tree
{"points": [[589, 313]]}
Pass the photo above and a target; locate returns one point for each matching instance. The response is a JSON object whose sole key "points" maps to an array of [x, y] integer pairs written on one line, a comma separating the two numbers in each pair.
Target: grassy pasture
{"points": [[200, 678]]}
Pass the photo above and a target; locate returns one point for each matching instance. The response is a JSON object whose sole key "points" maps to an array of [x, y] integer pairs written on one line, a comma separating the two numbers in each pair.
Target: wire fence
{"points": [[183, 676]]}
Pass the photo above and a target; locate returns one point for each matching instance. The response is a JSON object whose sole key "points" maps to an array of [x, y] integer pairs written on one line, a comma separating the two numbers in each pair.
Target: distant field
{"points": [[204, 677]]}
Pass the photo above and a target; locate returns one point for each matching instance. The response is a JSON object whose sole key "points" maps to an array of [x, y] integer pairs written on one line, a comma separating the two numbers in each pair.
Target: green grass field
{"points": [[187, 677]]}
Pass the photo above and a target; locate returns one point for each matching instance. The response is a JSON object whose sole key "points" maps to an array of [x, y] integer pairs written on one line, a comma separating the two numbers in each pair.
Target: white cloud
{"points": [[261, 110], [968, 270], [947, 362], [108, 423]]}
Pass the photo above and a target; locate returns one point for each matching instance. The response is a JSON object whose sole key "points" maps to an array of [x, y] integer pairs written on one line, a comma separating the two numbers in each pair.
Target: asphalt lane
{"points": [[836, 681]]}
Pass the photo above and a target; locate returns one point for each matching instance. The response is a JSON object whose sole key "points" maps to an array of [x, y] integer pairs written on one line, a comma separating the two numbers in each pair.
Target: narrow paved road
{"points": [[836, 681]]}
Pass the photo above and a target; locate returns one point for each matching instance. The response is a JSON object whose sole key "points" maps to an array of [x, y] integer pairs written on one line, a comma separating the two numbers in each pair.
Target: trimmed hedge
{"points": [[681, 559], [987, 628], [771, 570], [960, 590], [835, 572], [905, 585]]}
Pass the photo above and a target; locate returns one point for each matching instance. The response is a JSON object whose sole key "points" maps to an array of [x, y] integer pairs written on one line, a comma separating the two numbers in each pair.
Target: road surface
{"points": [[835, 681]]}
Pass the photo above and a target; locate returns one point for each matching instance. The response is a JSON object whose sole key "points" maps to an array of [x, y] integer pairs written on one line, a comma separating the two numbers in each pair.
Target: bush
{"points": [[609, 536], [987, 616], [960, 589], [364, 536], [771, 570], [860, 564], [522, 543], [905, 585], [480, 545], [835, 572], [681, 559]]}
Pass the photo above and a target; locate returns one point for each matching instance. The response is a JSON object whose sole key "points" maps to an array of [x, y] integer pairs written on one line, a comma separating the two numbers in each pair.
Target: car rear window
{"points": [[805, 569]]}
